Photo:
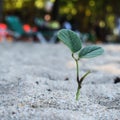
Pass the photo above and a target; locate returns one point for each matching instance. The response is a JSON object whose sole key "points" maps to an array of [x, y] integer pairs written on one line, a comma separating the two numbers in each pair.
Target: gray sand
{"points": [[33, 84]]}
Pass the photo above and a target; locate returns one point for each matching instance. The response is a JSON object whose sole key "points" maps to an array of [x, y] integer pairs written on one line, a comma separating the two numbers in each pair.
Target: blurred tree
{"points": [[84, 12], [55, 10], [1, 9]]}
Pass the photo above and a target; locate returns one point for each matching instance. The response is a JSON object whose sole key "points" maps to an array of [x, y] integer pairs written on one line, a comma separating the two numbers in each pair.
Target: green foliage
{"points": [[73, 42], [71, 39], [90, 51]]}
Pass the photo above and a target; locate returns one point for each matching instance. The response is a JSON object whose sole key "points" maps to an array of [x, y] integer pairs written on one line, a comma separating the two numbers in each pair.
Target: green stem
{"points": [[77, 74], [78, 81], [78, 93], [83, 77], [77, 68]]}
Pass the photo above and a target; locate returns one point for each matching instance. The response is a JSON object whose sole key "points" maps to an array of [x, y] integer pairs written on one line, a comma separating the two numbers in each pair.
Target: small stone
{"points": [[34, 106], [13, 113], [116, 80], [37, 82], [49, 90], [66, 78]]}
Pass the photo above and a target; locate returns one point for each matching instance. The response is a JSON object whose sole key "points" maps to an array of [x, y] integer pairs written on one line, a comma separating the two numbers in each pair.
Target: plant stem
{"points": [[77, 68], [78, 81], [77, 77], [78, 93]]}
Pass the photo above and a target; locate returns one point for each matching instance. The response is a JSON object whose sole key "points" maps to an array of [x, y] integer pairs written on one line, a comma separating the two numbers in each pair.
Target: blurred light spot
{"points": [[66, 10], [39, 4], [18, 4], [87, 12], [111, 18], [92, 3], [115, 31], [74, 12], [48, 6], [102, 24], [52, 0], [55, 25], [70, 5], [26, 27], [111, 21], [47, 17]]}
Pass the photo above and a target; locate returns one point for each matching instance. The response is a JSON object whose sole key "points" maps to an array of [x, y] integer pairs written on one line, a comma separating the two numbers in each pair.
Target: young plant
{"points": [[72, 40]]}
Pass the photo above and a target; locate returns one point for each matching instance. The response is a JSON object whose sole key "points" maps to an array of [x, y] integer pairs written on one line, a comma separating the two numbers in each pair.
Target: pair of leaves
{"points": [[72, 40]]}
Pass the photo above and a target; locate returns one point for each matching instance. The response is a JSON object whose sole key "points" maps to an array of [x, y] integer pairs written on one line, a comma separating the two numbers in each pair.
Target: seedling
{"points": [[72, 40]]}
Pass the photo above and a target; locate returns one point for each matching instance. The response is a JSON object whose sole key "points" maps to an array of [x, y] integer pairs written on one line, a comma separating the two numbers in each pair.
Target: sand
{"points": [[38, 82]]}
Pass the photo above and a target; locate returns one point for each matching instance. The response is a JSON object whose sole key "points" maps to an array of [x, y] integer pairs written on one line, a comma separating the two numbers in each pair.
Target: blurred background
{"points": [[95, 21]]}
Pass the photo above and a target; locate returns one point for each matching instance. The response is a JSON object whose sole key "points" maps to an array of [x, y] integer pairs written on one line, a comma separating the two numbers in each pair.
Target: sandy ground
{"points": [[37, 82]]}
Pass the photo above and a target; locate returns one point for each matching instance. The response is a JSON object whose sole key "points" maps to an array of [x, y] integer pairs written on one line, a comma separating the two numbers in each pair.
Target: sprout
{"points": [[72, 40]]}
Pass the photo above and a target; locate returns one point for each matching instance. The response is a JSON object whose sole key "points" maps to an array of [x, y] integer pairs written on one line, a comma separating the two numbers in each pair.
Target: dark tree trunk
{"points": [[1, 9], [55, 10]]}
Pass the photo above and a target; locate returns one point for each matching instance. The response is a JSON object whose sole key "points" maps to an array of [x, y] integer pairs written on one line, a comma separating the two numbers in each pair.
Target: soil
{"points": [[38, 82]]}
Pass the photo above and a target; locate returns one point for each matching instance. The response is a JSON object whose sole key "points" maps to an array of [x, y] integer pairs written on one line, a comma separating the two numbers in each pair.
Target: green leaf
{"points": [[90, 52], [71, 39]]}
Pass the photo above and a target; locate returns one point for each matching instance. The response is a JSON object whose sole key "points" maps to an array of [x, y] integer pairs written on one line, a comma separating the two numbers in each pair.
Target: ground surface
{"points": [[37, 82]]}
